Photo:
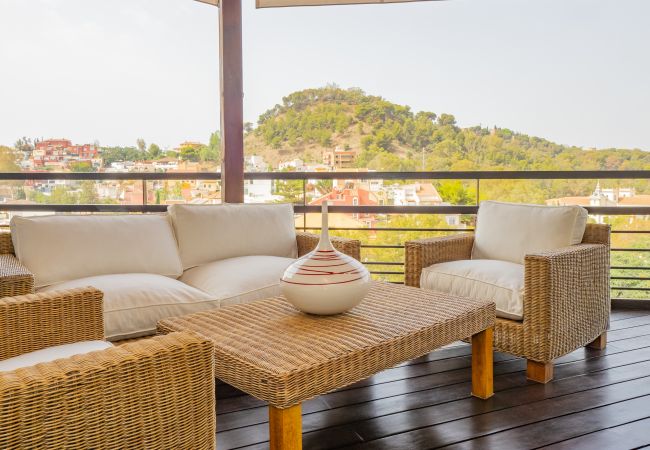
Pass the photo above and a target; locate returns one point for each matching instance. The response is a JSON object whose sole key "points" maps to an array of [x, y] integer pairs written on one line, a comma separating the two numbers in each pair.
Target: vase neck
{"points": [[324, 243]]}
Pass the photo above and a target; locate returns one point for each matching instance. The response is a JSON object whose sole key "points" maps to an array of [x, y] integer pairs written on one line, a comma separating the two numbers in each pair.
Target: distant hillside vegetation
{"points": [[388, 136]]}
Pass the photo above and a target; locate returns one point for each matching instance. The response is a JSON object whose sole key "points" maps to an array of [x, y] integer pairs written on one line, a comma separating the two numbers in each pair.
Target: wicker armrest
{"points": [[15, 279], [308, 241], [425, 252], [153, 393], [567, 298], [35, 321]]}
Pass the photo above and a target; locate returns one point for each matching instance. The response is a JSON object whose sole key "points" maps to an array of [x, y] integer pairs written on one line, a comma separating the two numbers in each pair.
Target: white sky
{"points": [[573, 71]]}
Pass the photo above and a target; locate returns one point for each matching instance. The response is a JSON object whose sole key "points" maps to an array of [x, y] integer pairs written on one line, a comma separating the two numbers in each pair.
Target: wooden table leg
{"points": [[482, 364], [285, 427]]}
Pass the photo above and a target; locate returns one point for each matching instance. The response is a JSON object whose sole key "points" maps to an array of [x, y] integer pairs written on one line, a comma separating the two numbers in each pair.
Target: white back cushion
{"points": [[62, 248], [215, 232], [510, 231]]}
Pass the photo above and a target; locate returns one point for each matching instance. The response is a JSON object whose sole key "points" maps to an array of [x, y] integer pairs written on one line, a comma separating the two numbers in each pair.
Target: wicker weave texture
{"points": [[15, 279], [596, 233], [425, 252], [6, 245], [567, 296], [567, 293], [153, 394], [284, 357], [35, 321], [308, 241]]}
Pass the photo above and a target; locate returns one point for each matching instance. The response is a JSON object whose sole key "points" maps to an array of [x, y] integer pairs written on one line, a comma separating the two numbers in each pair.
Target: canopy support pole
{"points": [[232, 101]]}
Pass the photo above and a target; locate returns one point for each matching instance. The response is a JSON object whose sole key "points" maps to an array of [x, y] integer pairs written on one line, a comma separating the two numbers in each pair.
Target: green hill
{"points": [[388, 136]]}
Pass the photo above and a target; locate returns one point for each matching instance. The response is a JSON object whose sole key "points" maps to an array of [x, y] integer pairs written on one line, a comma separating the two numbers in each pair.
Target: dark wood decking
{"points": [[598, 400]]}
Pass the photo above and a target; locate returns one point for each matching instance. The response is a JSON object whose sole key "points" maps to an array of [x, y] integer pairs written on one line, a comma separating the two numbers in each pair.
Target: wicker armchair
{"points": [[308, 241], [153, 393], [15, 279], [566, 302]]}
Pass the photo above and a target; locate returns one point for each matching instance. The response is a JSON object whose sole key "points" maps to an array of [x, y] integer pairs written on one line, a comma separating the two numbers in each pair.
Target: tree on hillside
{"points": [[81, 166], [88, 194], [8, 160], [212, 151], [61, 196], [112, 154], [190, 153], [389, 162], [154, 151], [141, 144], [24, 144], [324, 186], [456, 192], [317, 117], [290, 190], [446, 119]]}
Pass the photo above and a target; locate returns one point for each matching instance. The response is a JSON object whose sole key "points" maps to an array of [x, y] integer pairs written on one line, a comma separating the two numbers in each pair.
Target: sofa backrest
{"points": [[510, 231], [208, 233], [63, 248]]}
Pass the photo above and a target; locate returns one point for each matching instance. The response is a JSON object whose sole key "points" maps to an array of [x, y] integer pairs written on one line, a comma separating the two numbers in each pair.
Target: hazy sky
{"points": [[573, 71]]}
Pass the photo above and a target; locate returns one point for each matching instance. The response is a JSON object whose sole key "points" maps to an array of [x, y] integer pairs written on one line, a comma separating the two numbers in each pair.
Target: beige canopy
{"points": [[281, 3]]}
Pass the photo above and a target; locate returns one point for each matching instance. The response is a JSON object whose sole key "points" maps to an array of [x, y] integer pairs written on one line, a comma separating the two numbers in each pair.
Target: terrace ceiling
{"points": [[282, 3]]}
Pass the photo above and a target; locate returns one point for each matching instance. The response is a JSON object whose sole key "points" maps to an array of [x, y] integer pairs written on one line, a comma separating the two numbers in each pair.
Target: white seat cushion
{"points": [[134, 303], [499, 281], [63, 248], [239, 280], [208, 233], [510, 231], [52, 353]]}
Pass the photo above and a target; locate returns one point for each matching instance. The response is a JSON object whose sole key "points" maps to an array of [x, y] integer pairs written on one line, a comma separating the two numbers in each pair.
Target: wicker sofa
{"points": [[153, 393], [566, 302], [154, 266]]}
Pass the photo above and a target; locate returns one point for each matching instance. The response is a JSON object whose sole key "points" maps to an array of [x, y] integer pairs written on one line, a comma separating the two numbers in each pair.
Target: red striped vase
{"points": [[325, 281]]}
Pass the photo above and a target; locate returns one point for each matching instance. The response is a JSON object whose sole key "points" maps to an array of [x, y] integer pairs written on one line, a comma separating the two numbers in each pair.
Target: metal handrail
{"points": [[303, 208]]}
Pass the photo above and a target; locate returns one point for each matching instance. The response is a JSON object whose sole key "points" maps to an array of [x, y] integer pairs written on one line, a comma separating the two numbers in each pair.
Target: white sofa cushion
{"points": [[510, 231], [135, 302], [62, 248], [52, 353], [239, 280], [499, 281], [211, 233]]}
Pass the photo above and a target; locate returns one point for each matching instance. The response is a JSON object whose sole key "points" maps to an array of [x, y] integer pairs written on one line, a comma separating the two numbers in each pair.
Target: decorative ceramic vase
{"points": [[325, 281]]}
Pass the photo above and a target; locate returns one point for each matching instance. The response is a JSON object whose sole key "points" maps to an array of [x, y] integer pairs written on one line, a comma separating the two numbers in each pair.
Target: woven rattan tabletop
{"points": [[284, 357]]}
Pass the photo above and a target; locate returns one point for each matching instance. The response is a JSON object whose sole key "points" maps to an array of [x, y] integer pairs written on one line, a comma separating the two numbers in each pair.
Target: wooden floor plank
{"points": [[626, 333], [621, 314], [432, 393], [630, 322], [565, 427], [630, 343], [622, 437], [229, 405], [417, 398], [519, 425], [405, 421], [411, 405]]}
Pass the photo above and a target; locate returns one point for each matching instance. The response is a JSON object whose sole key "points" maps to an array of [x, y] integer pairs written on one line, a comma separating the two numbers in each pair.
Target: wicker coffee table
{"points": [[284, 357]]}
